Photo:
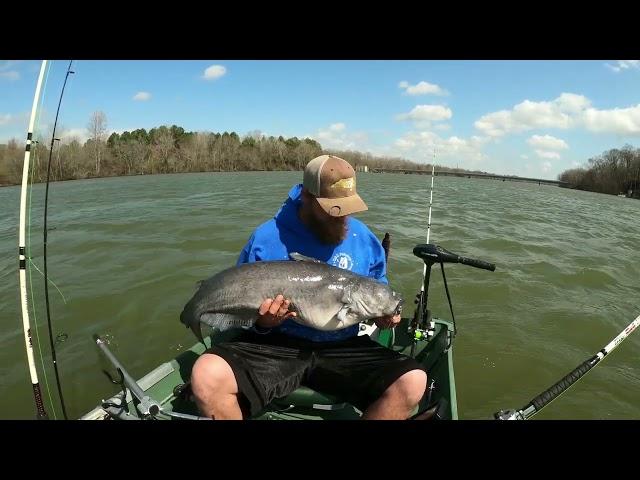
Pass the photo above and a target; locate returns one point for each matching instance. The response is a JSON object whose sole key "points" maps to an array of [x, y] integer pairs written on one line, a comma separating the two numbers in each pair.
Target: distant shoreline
{"points": [[231, 171], [144, 175]]}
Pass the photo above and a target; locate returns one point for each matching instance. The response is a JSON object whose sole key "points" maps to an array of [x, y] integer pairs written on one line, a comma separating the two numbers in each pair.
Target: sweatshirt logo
{"points": [[342, 260]]}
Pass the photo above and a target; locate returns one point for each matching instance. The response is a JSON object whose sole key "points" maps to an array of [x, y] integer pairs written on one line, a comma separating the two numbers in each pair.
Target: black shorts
{"points": [[272, 366]]}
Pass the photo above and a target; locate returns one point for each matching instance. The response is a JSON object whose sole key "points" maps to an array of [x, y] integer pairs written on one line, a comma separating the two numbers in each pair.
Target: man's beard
{"points": [[330, 232]]}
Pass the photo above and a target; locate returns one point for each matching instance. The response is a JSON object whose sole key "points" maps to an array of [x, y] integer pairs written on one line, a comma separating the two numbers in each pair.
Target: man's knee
{"points": [[410, 386], [211, 374]]}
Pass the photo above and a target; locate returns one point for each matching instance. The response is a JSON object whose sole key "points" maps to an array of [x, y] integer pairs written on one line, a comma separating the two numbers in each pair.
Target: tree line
{"points": [[616, 171], [169, 149]]}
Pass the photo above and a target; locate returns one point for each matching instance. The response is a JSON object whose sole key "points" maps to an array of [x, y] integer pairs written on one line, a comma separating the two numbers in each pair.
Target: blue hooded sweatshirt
{"points": [[361, 252]]}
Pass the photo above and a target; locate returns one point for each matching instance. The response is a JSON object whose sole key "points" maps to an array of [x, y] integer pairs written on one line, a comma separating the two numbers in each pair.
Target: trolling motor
{"points": [[422, 327]]}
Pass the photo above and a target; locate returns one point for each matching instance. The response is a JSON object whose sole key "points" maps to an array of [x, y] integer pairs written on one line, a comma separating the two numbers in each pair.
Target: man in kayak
{"points": [[237, 379]]}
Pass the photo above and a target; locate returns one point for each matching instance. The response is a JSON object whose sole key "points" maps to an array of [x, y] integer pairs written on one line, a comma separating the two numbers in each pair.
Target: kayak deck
{"points": [[165, 384]]}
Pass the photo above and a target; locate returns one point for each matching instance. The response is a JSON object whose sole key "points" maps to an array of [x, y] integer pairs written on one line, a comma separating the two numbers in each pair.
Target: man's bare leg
{"points": [[399, 399], [215, 388]]}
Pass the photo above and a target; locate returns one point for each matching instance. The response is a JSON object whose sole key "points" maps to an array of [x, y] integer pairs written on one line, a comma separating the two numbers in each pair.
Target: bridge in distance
{"points": [[491, 176]]}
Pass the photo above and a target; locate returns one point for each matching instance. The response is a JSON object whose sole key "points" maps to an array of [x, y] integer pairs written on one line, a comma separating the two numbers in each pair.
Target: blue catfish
{"points": [[323, 296]]}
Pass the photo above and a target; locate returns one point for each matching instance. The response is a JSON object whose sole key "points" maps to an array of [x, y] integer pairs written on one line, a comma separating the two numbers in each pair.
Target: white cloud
{"points": [[142, 96], [572, 103], [412, 140], [547, 142], [546, 166], [422, 88], [336, 136], [569, 110], [427, 113], [442, 126], [10, 75], [214, 72], [525, 157], [545, 154], [623, 121], [624, 65], [80, 134], [560, 113], [419, 145]]}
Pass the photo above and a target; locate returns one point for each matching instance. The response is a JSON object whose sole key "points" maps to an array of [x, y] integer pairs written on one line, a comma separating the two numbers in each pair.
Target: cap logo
{"points": [[345, 183]]}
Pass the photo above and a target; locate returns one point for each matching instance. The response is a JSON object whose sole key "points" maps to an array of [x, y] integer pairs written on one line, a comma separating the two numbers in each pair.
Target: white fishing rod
{"points": [[22, 252], [546, 397], [433, 166], [422, 296]]}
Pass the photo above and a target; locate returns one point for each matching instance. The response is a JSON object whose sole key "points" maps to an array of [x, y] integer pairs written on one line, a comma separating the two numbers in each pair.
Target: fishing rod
{"points": [[433, 167], [422, 327], [37, 393], [426, 273], [546, 397], [46, 286]]}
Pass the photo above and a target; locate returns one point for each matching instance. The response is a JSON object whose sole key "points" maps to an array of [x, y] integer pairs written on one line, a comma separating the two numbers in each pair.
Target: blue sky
{"points": [[529, 118]]}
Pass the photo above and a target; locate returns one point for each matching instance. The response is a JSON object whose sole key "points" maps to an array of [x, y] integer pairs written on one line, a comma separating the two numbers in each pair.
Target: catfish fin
{"points": [[225, 321], [298, 257]]}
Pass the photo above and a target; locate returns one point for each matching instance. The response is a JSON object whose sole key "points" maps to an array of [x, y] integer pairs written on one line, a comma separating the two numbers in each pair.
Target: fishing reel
{"points": [[508, 415], [422, 327], [424, 335]]}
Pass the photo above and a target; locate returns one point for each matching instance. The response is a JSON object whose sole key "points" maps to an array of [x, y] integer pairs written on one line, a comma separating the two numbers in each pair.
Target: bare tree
{"points": [[11, 156], [163, 148], [97, 127], [199, 143]]}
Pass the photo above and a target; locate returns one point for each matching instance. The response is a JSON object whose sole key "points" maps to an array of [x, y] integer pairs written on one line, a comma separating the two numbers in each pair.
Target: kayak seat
{"points": [[305, 397]]}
